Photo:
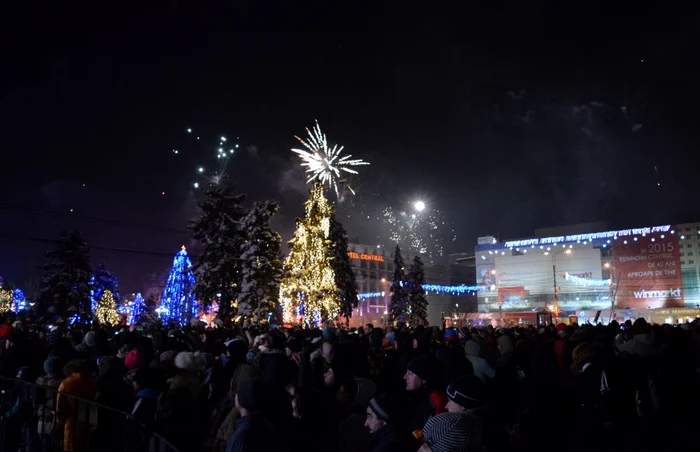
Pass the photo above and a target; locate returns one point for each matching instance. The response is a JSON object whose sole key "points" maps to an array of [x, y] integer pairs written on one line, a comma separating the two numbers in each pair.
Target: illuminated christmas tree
{"points": [[106, 309], [178, 304], [19, 301], [137, 309], [308, 291], [6, 299]]}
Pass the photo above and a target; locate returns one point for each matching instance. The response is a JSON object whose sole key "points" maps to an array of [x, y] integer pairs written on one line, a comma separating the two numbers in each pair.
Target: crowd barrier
{"points": [[28, 423]]}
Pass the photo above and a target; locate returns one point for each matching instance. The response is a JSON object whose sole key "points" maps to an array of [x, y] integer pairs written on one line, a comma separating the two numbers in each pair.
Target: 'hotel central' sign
{"points": [[365, 257]]}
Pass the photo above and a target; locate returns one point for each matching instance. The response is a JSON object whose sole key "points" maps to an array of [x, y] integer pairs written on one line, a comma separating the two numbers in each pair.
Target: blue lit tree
{"points": [[137, 309], [178, 304], [19, 301]]}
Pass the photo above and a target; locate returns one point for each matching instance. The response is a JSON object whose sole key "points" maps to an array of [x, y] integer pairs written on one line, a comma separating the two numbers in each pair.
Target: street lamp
{"points": [[497, 286], [419, 206], [613, 288], [556, 290]]}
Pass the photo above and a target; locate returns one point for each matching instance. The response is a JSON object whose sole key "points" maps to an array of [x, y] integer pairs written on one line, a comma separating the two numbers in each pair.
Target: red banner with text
{"points": [[648, 272]]}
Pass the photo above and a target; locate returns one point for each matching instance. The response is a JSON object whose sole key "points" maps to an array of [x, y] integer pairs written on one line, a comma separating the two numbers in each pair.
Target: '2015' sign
{"points": [[365, 257]]}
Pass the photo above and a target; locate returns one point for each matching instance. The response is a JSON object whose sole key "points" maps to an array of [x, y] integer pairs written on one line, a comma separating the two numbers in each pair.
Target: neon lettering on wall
{"points": [[586, 282], [365, 257], [587, 237]]}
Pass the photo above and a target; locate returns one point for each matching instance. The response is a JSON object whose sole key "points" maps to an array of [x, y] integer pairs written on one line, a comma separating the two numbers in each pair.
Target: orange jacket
{"points": [[75, 432]]}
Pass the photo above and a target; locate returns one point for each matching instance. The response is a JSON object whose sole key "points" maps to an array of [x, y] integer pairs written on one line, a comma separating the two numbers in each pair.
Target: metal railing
{"points": [[29, 423]]}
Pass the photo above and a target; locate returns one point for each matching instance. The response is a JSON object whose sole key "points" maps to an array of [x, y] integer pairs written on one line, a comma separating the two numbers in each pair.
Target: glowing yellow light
{"points": [[106, 310], [6, 300], [309, 277]]}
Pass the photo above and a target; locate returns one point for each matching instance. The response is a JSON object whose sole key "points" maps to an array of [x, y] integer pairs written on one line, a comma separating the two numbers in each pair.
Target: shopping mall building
{"points": [[585, 273]]}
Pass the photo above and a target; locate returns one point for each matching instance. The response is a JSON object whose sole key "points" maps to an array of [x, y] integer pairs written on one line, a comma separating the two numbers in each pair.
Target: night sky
{"points": [[505, 116]]}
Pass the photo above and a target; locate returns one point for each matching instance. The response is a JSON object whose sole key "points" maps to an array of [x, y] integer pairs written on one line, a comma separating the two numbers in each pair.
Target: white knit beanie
{"points": [[187, 361]]}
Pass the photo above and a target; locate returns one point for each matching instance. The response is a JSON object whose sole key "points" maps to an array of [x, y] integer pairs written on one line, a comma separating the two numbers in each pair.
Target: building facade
{"points": [[597, 275]]}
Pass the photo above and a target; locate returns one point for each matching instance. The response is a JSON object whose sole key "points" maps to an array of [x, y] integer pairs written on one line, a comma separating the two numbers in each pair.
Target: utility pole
{"points": [[556, 292]]}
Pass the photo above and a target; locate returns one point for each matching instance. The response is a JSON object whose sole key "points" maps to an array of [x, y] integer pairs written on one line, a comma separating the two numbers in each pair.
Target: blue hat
{"points": [[53, 366]]}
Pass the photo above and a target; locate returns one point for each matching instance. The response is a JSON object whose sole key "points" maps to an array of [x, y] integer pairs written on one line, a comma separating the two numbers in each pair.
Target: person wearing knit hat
{"points": [[421, 400], [188, 362], [53, 367], [418, 373], [381, 419], [380, 411], [466, 393], [253, 431], [452, 432]]}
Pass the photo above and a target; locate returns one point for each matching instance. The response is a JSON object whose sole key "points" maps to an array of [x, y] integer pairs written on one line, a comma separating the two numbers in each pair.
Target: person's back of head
{"points": [[641, 326]]}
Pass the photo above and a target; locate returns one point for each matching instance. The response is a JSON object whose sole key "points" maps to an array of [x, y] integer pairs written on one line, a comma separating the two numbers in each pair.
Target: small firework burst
{"points": [[215, 173]]}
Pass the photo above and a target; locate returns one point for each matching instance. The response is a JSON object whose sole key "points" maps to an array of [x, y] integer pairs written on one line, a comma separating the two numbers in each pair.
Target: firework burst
{"points": [[424, 231], [215, 173], [323, 163]]}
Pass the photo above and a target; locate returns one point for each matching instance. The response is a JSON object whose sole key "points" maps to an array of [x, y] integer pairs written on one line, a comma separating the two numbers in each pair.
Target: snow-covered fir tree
{"points": [[218, 231], [66, 276], [417, 303], [149, 316], [137, 309], [344, 274], [399, 294], [261, 264], [104, 280]]}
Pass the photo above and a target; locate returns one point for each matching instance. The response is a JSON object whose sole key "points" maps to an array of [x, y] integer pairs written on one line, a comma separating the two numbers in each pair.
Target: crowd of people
{"points": [[261, 388]]}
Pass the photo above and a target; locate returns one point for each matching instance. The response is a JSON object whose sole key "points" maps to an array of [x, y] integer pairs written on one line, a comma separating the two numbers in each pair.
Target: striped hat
{"points": [[382, 407], [453, 432]]}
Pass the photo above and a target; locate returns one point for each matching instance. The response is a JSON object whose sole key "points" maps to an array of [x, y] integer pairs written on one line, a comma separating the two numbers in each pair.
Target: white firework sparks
{"points": [[323, 163], [214, 174], [423, 231]]}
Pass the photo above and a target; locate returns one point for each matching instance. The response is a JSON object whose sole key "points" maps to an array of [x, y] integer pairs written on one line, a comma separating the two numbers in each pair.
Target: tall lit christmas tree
{"points": [[137, 309], [178, 304], [106, 309], [308, 291]]}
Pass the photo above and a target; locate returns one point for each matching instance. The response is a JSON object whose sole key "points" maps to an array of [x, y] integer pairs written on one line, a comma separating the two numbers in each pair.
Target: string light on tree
{"points": [[308, 291], [137, 309], [19, 301], [106, 310], [178, 300], [6, 300]]}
